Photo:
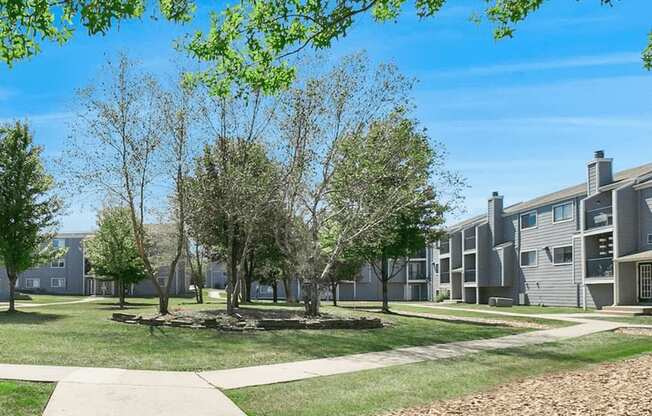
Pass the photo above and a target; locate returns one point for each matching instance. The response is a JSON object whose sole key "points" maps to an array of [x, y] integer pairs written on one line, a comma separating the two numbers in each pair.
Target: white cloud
{"points": [[622, 58], [39, 118]]}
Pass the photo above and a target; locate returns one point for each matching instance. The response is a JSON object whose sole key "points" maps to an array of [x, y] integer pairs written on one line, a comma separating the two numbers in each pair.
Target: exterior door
{"points": [[645, 282]]}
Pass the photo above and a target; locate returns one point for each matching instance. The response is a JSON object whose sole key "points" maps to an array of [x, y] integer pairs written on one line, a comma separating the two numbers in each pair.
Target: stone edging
{"points": [[252, 325]]}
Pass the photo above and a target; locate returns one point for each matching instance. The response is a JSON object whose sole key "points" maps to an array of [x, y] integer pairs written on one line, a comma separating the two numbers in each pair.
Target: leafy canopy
{"points": [[248, 43], [112, 250], [28, 211]]}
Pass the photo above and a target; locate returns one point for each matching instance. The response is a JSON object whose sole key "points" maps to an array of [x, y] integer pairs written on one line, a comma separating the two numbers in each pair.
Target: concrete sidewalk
{"points": [[281, 373], [117, 392], [39, 305]]}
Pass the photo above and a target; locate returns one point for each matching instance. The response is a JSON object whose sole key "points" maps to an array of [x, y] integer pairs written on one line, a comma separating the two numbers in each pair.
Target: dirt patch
{"points": [[249, 320], [615, 389]]}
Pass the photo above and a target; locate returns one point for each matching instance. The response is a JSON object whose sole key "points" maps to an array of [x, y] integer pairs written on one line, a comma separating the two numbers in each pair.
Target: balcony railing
{"points": [[469, 276], [600, 217], [600, 268], [469, 243], [444, 248], [445, 278]]}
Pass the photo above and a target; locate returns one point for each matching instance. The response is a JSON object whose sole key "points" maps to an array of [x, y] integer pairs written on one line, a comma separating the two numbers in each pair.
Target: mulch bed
{"points": [[615, 389]]}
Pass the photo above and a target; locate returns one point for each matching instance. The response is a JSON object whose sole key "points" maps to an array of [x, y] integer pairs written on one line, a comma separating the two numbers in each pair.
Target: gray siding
{"points": [[72, 272], [547, 283], [578, 269], [484, 256], [592, 179], [645, 217], [4, 285], [626, 221]]}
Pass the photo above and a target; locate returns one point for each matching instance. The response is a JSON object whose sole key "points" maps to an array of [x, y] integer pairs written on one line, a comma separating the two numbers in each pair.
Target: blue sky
{"points": [[519, 116]]}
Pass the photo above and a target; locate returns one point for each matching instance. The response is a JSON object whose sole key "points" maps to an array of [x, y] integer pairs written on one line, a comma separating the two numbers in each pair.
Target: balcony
{"points": [[469, 276], [599, 217], [444, 247], [469, 243], [444, 278], [600, 268]]}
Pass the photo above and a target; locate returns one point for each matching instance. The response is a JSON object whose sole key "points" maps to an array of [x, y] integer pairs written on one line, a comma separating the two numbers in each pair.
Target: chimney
{"points": [[599, 173], [495, 218]]}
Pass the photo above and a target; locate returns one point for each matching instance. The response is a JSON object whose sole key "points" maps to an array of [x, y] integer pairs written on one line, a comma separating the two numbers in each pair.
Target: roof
{"points": [[559, 196], [641, 256], [477, 219]]}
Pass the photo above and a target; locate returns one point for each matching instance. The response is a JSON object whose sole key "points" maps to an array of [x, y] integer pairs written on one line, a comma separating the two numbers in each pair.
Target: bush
{"points": [[442, 296]]}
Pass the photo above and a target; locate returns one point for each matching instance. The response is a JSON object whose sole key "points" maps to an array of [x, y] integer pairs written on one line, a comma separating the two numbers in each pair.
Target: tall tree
{"points": [[336, 176], [112, 250], [133, 142], [249, 43], [415, 224], [234, 185], [28, 210]]}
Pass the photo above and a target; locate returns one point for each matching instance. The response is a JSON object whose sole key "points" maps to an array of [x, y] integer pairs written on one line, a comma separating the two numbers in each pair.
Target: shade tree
{"points": [[29, 209], [112, 250]]}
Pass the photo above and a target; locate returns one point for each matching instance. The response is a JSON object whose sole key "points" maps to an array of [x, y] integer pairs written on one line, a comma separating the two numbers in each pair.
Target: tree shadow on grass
{"points": [[109, 306], [28, 318]]}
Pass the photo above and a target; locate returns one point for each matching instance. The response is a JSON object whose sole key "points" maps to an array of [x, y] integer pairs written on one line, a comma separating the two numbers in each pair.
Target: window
{"points": [[417, 270], [529, 220], [58, 264], [419, 254], [563, 212], [32, 283], [529, 258], [562, 255], [57, 282], [649, 239]]}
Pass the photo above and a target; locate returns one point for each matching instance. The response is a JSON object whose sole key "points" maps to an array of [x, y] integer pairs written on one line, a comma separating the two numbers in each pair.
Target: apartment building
{"points": [[588, 245], [71, 275], [413, 281]]}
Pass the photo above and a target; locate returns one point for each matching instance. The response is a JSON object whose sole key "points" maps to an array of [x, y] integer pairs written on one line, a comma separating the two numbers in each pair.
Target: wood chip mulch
{"points": [[623, 389]]}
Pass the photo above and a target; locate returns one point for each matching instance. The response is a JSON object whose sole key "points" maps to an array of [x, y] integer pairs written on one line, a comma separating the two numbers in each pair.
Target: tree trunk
{"points": [[199, 292], [312, 299], [275, 292], [12, 294], [121, 293], [287, 286], [163, 304], [334, 292], [384, 280]]}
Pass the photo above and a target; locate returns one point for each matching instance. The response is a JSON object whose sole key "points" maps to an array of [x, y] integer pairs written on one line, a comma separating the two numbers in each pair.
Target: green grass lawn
{"points": [[41, 299], [377, 391], [466, 314], [83, 335], [638, 320], [515, 309], [23, 399]]}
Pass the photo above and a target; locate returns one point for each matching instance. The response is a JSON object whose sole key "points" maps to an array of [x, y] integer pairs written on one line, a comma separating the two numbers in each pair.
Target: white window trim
{"points": [[63, 280], [32, 279], [563, 246], [536, 259], [61, 263], [572, 203], [536, 220]]}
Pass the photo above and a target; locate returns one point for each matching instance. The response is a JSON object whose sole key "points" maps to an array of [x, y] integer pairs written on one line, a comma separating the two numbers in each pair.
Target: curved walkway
{"points": [[40, 305], [117, 392]]}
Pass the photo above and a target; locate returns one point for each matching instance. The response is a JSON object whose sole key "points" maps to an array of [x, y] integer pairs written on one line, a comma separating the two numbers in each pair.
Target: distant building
{"points": [[71, 275]]}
